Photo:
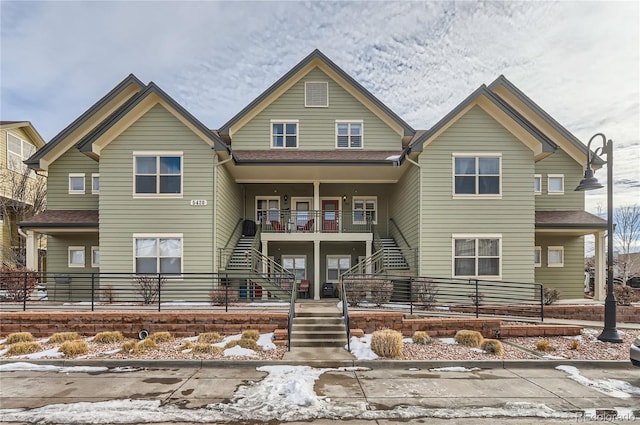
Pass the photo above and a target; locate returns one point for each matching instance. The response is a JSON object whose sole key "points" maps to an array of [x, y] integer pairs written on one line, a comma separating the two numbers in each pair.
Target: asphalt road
{"points": [[380, 395]]}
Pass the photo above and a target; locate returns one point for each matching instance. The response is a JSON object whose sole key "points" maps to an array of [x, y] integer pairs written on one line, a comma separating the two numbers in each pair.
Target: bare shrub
{"points": [[17, 284], [19, 337], [356, 288], [468, 338], [493, 346], [107, 294], [424, 292], [387, 343], [625, 295], [421, 337], [222, 295], [381, 291], [476, 299], [74, 348], [60, 337], [149, 286], [550, 295]]}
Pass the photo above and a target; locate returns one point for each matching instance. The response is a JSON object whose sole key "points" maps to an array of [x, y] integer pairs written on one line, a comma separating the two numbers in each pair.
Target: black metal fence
{"points": [[446, 296]]}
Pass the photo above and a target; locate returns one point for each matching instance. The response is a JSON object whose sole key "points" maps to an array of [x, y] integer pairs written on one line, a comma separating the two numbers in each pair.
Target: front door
{"points": [[330, 210]]}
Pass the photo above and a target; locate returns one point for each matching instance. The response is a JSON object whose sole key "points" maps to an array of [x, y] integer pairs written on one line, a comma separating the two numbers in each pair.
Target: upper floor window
{"points": [[316, 94], [158, 174], [364, 210], [348, 134], [95, 183], [555, 184], [284, 134], [17, 151], [76, 183], [476, 256], [537, 184], [268, 209], [477, 175]]}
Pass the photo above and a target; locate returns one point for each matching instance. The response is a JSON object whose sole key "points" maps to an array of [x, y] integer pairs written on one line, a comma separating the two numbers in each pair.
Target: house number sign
{"points": [[198, 202]]}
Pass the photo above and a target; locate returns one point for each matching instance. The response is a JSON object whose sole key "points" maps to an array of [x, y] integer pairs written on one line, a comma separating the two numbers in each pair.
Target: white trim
{"points": [[476, 195], [84, 184], [476, 236], [265, 198], [537, 250], [84, 256], [294, 256], [23, 157], [93, 190], [284, 135], [555, 248], [158, 236], [340, 270], [338, 211], [93, 263], [539, 177], [364, 199], [306, 105], [158, 155], [555, 176], [361, 122]]}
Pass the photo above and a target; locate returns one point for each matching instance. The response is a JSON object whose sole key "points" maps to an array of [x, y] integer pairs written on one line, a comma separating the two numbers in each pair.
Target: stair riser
{"points": [[315, 315], [318, 328], [318, 321], [318, 343]]}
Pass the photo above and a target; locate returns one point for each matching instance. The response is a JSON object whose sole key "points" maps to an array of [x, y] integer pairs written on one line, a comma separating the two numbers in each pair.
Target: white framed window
{"points": [[555, 184], [95, 183], [537, 184], [365, 210], [95, 256], [316, 94], [477, 256], [477, 175], [336, 265], [76, 256], [18, 150], [157, 174], [284, 134], [76, 183], [537, 256], [296, 264], [349, 135], [555, 256], [267, 209], [157, 253]]}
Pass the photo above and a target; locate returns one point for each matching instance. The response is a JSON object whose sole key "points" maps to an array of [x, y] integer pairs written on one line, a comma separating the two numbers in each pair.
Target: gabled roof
{"points": [[316, 55], [34, 161], [85, 145], [504, 82], [27, 127], [547, 144]]}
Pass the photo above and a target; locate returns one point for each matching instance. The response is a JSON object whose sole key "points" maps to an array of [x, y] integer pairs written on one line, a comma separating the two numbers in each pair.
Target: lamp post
{"points": [[589, 182]]}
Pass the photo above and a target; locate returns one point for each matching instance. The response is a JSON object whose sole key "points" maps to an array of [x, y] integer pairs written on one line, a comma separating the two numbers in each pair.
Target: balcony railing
{"points": [[287, 221]]}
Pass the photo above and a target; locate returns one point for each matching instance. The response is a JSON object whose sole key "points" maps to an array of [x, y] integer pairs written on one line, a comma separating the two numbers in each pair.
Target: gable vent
{"points": [[316, 94]]}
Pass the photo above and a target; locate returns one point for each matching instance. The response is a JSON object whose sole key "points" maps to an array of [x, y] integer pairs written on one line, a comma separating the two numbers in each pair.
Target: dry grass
{"points": [[251, 334], [199, 347], [468, 338], [24, 347], [544, 345], [493, 346], [73, 348], [60, 337], [19, 337], [209, 337], [135, 347], [160, 337], [573, 345], [421, 337], [244, 343], [108, 337], [387, 343]]}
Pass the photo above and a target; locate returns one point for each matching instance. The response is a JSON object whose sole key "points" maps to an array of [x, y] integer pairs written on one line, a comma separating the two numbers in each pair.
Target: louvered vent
{"points": [[316, 94]]}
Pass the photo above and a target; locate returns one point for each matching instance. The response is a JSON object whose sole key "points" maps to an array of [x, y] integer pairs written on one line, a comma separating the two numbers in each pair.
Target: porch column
{"points": [[600, 268], [32, 251], [368, 255], [316, 204], [316, 270], [265, 254]]}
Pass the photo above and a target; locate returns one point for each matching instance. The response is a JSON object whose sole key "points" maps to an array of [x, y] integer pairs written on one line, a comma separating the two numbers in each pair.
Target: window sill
{"points": [[157, 196], [477, 196], [479, 277], [555, 193]]}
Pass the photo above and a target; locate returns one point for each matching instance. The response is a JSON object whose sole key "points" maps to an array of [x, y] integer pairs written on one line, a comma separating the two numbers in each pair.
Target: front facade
{"points": [[318, 176]]}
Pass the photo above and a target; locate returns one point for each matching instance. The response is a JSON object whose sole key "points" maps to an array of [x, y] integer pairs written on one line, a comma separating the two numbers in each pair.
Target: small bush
{"points": [[24, 347], [476, 299], [160, 337], [72, 348], [422, 338], [221, 295], [17, 284], [381, 291], [107, 294], [550, 295], [249, 344], [209, 337], [424, 292], [19, 337], [544, 345], [251, 334], [387, 343], [625, 295], [108, 337], [60, 337], [149, 286], [356, 288], [573, 345], [492, 346], [135, 347], [205, 348], [469, 338]]}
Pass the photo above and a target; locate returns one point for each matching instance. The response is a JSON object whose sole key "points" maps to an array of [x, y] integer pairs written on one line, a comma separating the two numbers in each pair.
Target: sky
{"points": [[580, 61]]}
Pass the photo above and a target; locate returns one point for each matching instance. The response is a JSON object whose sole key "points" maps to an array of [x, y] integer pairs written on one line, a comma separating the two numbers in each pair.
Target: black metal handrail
{"points": [[291, 315], [345, 313]]}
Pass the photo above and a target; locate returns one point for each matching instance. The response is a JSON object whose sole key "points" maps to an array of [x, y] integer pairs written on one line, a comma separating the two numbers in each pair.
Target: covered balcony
{"points": [[326, 221]]}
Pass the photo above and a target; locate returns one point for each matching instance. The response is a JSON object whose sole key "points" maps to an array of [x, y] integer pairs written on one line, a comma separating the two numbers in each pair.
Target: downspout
{"points": [[215, 209]]}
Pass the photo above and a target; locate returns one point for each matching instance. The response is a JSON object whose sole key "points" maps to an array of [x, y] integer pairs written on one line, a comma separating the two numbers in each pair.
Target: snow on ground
{"points": [[266, 341], [23, 366], [454, 369], [52, 352], [268, 304], [451, 341], [361, 348], [610, 387], [238, 351]]}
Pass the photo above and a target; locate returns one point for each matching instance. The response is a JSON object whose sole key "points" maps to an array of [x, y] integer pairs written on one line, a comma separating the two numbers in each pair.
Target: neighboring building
{"points": [[20, 188], [330, 175]]}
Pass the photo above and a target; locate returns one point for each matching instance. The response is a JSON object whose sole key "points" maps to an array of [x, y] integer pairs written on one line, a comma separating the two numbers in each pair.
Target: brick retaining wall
{"points": [[624, 314]]}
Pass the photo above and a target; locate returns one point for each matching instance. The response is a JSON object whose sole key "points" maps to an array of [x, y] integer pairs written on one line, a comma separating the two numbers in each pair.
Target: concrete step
{"points": [[324, 335], [300, 342], [320, 327], [314, 320]]}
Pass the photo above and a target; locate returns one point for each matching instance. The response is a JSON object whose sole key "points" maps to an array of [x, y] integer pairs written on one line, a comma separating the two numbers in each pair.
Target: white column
{"points": [[32, 251], [316, 270], [599, 286], [265, 254], [367, 255]]}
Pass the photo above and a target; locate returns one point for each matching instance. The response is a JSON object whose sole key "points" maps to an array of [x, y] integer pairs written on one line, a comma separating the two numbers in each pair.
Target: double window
{"points": [[158, 174], [18, 150], [477, 175], [364, 210], [477, 256], [284, 134], [349, 134], [296, 264], [336, 265], [158, 254], [267, 209]]}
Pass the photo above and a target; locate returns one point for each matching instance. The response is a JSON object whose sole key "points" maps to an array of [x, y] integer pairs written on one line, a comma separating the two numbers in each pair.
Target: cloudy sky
{"points": [[578, 60]]}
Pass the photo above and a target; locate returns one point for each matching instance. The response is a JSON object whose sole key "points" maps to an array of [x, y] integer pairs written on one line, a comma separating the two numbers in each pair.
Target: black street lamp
{"points": [[589, 182]]}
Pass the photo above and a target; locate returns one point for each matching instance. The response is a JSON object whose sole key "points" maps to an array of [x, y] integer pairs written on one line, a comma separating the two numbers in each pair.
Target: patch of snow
{"points": [[111, 352], [239, 352], [124, 369], [24, 366], [52, 352], [184, 303], [442, 307], [361, 348], [227, 339], [392, 158], [478, 350], [3, 341], [339, 305], [413, 369], [454, 369], [552, 357], [407, 340], [4, 351], [268, 304], [266, 341], [450, 341], [610, 387]]}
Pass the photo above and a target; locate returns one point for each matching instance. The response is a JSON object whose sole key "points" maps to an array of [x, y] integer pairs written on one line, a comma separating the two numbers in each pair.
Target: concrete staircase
{"points": [[393, 258], [241, 257], [318, 325]]}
